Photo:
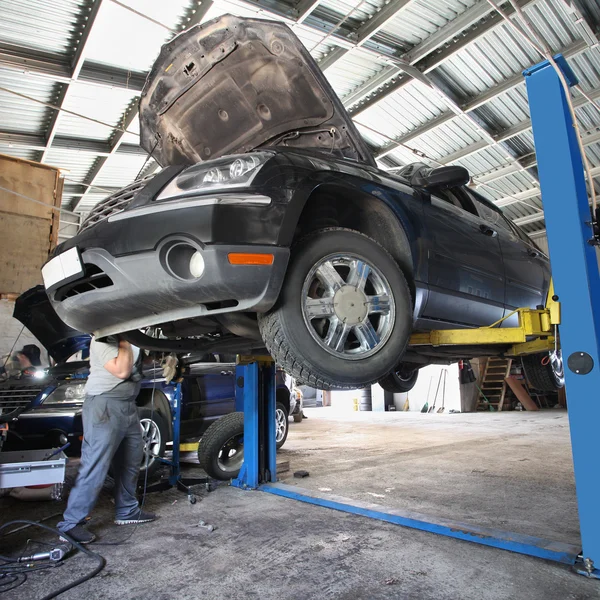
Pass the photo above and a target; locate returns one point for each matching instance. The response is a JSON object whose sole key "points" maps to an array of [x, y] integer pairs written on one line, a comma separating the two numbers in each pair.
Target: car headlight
{"points": [[67, 393], [224, 173]]}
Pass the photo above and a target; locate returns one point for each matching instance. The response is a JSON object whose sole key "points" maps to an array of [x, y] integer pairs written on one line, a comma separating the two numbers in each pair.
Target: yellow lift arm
{"points": [[535, 333]]}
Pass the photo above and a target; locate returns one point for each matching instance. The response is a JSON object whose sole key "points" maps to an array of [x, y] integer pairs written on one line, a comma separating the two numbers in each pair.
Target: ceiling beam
{"points": [[304, 8], [368, 29], [56, 68], [32, 141], [452, 36], [90, 14]]}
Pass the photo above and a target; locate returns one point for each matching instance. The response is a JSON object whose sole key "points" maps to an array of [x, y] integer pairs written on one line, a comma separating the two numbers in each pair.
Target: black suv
{"points": [[270, 225]]}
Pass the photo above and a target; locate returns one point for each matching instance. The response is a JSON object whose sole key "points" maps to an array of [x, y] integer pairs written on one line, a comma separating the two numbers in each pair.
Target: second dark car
{"points": [[271, 225], [53, 398]]}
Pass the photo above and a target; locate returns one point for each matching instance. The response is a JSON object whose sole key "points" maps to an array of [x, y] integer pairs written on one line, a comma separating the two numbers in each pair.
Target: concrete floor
{"points": [[512, 471]]}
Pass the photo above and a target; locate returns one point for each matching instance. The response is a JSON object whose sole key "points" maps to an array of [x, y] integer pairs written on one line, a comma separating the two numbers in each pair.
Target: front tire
{"points": [[344, 315], [400, 381]]}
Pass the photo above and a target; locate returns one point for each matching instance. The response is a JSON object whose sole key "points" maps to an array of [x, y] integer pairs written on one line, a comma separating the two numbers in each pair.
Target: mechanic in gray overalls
{"points": [[111, 435]]}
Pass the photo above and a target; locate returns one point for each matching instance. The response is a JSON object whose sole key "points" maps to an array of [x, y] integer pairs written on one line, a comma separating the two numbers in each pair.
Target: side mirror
{"points": [[442, 177]]}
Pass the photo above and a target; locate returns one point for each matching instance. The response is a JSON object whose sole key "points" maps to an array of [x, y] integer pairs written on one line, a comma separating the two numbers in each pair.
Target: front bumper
{"points": [[141, 291], [43, 427]]}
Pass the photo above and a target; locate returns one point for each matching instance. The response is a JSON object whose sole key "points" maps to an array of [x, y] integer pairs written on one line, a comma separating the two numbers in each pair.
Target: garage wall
{"points": [[426, 386], [344, 400]]}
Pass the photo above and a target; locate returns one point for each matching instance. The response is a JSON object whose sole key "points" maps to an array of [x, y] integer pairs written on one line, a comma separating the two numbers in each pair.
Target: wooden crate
{"points": [[28, 230]]}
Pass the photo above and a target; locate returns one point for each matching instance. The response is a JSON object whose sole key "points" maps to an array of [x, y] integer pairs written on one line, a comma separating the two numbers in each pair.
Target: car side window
{"points": [[493, 217], [458, 198]]}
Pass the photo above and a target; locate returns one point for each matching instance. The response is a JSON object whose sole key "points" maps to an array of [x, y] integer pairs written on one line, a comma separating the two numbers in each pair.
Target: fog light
{"points": [[197, 264]]}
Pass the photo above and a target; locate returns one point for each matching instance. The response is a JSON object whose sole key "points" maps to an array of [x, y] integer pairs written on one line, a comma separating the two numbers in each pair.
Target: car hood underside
{"points": [[232, 85]]}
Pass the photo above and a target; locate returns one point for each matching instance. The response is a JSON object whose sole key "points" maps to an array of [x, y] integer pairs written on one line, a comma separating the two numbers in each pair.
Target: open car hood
{"points": [[233, 85], [33, 309]]}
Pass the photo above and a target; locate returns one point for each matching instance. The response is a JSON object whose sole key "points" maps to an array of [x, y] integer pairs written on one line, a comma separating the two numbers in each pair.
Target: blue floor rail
{"points": [[487, 536]]}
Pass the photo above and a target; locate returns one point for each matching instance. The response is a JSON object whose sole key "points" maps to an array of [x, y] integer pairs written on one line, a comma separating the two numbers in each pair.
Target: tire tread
{"points": [[275, 342]]}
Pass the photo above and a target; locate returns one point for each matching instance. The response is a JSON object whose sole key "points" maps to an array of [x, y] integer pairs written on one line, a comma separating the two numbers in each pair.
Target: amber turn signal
{"points": [[247, 258]]}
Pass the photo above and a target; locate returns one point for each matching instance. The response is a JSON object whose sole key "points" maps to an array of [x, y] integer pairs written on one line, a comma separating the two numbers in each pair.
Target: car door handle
{"points": [[486, 230], [533, 253]]}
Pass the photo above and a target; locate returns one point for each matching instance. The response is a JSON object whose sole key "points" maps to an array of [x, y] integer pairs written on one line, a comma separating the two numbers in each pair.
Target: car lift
{"points": [[575, 271], [175, 479]]}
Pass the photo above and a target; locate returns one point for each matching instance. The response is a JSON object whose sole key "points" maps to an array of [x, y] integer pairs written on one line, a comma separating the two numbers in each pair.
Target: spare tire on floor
{"points": [[221, 449]]}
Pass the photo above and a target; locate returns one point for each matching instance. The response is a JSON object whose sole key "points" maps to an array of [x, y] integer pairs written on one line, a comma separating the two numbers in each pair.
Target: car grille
{"points": [[10, 399], [114, 204]]}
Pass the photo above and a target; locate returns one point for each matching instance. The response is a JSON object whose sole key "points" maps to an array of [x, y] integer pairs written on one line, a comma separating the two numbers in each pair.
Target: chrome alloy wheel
{"points": [[348, 306], [280, 425], [556, 361], [152, 441]]}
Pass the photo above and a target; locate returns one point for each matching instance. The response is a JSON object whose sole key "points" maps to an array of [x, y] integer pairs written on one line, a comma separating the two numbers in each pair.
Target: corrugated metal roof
{"points": [[354, 68], [99, 102], [399, 114], [119, 170], [447, 139], [134, 42], [421, 18], [487, 62], [123, 40], [20, 114], [359, 10], [48, 26], [89, 201], [19, 152], [75, 165]]}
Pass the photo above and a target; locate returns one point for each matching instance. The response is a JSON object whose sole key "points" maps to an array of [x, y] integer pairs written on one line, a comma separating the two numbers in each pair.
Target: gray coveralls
{"points": [[111, 434]]}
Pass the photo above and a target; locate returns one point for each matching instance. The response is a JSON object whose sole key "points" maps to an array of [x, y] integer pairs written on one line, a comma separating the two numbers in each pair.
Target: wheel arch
{"points": [[161, 405], [282, 394], [334, 204]]}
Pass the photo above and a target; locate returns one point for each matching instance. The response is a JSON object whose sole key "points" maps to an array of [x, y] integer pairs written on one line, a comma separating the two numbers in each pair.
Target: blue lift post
{"points": [[255, 395], [577, 281]]}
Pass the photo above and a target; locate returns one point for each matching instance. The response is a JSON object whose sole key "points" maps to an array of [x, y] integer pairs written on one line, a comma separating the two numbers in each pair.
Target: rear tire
{"points": [[548, 377], [400, 381], [339, 282]]}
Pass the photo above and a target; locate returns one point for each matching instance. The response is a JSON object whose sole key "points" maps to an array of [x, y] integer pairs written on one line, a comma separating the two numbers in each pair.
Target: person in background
{"points": [[112, 434], [29, 359]]}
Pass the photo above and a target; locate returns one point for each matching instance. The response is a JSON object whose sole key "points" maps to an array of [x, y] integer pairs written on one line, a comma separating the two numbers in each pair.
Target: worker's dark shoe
{"points": [[137, 518], [79, 534]]}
